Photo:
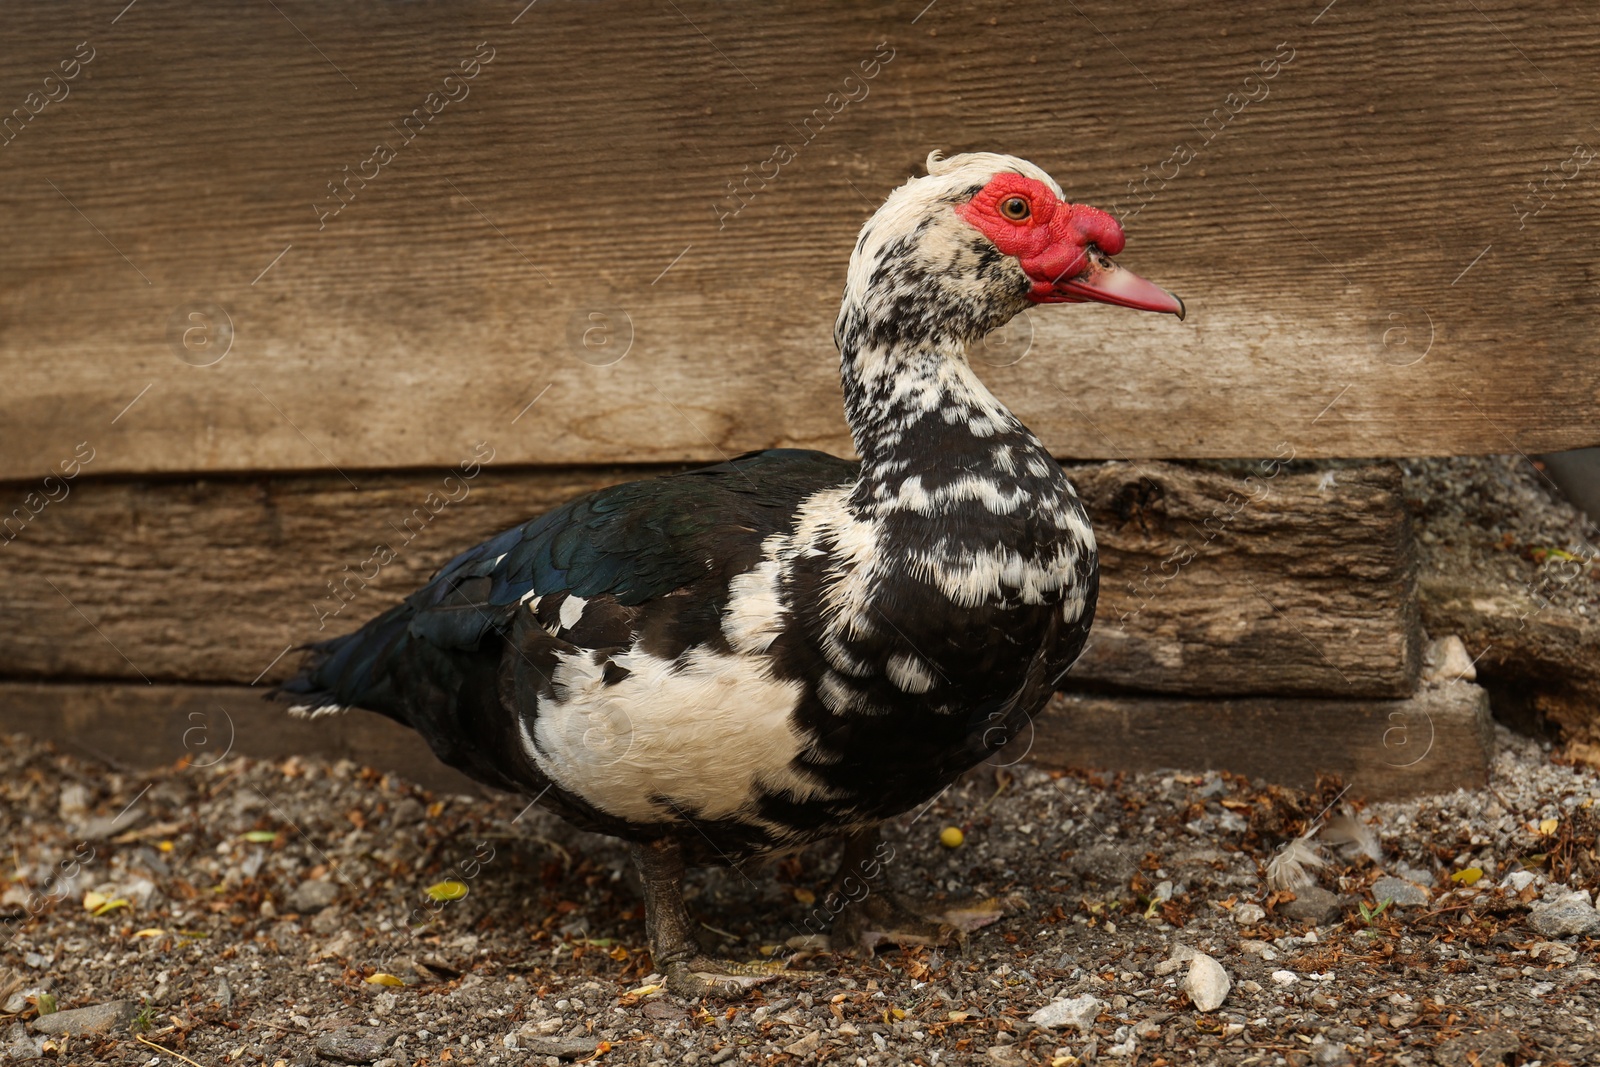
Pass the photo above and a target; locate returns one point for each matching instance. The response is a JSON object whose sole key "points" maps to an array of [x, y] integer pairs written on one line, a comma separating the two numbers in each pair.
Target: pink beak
{"points": [[1104, 282]]}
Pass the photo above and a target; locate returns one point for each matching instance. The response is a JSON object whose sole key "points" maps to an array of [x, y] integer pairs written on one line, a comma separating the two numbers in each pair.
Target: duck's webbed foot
{"points": [[874, 914], [674, 949]]}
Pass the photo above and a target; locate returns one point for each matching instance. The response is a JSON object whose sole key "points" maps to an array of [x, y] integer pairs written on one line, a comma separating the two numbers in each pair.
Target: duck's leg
{"points": [[873, 914], [674, 949]]}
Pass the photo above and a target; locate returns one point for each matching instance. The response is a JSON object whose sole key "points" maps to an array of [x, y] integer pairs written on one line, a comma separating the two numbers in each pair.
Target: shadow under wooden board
{"points": [[301, 236], [1437, 740]]}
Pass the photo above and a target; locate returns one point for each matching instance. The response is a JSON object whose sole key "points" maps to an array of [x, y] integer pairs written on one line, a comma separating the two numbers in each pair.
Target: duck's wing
{"points": [[647, 561]]}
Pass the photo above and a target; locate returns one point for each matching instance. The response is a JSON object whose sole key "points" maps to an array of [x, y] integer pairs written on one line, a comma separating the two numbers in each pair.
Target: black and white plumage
{"points": [[788, 646]]}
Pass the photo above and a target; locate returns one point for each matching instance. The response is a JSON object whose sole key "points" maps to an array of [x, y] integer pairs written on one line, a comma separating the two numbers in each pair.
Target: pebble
{"points": [[1206, 983], [1313, 904], [1248, 914], [353, 1044], [1180, 955], [1568, 915], [20, 1045], [564, 1048], [1517, 881], [97, 1019], [1069, 1011], [1447, 660], [1258, 948], [1285, 978], [1402, 893], [806, 1045], [312, 896]]}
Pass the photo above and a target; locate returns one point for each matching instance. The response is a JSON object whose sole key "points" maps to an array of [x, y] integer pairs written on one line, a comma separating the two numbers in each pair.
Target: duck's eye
{"points": [[1014, 208]]}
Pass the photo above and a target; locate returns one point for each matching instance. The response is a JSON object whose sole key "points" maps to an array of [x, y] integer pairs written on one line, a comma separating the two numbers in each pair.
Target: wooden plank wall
{"points": [[1380, 216], [1209, 583]]}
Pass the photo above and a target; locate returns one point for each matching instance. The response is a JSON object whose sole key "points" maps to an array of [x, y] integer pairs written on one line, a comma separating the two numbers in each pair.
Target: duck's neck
{"points": [[915, 407]]}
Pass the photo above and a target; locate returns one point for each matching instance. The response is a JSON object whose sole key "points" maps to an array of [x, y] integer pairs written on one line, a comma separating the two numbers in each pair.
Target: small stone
{"points": [[1447, 660], [1566, 916], [98, 1019], [1248, 914], [805, 1046], [1181, 954], [1004, 1056], [407, 810], [1206, 983], [1069, 1011], [1327, 1054], [1313, 904], [1517, 881], [20, 1045], [1252, 947], [1285, 978], [1402, 893], [563, 1048], [312, 896], [353, 1044]]}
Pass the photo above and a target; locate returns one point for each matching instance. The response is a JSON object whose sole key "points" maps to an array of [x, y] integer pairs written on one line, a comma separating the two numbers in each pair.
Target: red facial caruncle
{"points": [[1063, 248]]}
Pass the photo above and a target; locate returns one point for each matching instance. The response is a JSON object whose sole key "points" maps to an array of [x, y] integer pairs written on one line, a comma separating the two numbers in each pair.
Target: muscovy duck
{"points": [[786, 647]]}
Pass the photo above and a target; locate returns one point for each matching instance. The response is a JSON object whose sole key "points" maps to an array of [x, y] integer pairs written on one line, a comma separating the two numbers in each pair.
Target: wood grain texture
{"points": [[1439, 739], [1369, 207], [1306, 588], [1256, 580], [1540, 661]]}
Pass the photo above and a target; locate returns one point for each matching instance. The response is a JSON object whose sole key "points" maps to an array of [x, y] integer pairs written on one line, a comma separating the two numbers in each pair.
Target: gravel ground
{"points": [[1501, 516], [279, 913]]}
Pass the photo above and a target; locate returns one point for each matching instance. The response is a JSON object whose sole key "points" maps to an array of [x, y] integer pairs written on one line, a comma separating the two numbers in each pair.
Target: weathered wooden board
{"points": [[1541, 661], [1439, 739], [1340, 192], [1283, 583], [1253, 581], [1436, 741]]}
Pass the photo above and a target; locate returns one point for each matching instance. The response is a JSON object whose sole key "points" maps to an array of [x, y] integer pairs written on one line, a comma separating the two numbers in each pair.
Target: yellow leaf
{"points": [[643, 991], [384, 979], [1548, 826], [958, 1016], [165, 846], [260, 837], [898, 1013], [111, 905], [1469, 876], [951, 837], [154, 931], [805, 896], [92, 900], [449, 889]]}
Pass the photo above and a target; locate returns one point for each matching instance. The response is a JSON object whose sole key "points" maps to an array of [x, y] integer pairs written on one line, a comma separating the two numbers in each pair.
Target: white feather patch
{"points": [[698, 735], [909, 673], [307, 711], [572, 611], [755, 613]]}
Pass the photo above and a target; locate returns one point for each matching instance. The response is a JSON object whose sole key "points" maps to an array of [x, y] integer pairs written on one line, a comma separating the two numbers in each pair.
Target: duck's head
{"points": [[981, 236]]}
